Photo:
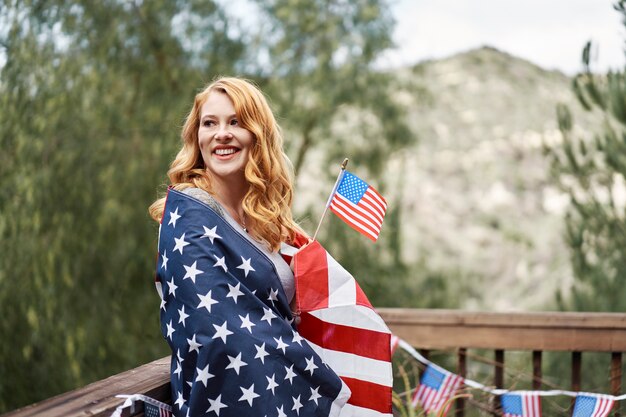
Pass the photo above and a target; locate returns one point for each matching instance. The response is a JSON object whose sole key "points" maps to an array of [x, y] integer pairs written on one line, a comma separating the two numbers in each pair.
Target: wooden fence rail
{"points": [[425, 330], [535, 332]]}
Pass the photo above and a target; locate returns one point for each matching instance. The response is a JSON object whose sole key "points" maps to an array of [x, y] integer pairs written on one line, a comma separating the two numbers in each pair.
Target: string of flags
{"points": [[437, 386]]}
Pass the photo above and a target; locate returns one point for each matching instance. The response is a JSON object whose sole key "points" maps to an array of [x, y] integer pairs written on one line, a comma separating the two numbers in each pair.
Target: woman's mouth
{"points": [[225, 152]]}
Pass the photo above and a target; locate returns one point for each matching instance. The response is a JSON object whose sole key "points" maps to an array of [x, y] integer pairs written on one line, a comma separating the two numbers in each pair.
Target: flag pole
{"points": [[332, 193]]}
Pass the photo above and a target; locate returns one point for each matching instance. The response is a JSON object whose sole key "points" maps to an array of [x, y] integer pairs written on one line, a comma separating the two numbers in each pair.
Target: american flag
{"points": [[224, 313], [343, 328], [593, 405], [521, 404], [151, 410], [359, 205], [436, 387]]}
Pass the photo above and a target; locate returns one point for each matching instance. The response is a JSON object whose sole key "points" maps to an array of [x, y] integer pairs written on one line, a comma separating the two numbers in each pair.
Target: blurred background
{"points": [[496, 135]]}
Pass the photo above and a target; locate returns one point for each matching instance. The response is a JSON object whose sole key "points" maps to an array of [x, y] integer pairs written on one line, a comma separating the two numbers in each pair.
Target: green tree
{"points": [[592, 171], [321, 70], [92, 96]]}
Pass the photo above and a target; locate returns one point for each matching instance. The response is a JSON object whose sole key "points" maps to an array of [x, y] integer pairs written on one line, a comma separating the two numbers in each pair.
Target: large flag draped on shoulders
{"points": [[226, 317], [341, 325]]}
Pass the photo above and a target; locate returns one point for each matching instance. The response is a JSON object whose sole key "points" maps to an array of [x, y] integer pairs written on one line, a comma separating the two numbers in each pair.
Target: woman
{"points": [[224, 285]]}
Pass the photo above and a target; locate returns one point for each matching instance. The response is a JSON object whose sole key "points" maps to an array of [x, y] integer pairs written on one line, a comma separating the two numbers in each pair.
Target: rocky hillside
{"points": [[478, 204]]}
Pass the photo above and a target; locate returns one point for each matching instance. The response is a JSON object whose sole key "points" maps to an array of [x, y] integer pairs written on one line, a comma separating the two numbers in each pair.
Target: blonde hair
{"points": [[267, 204]]}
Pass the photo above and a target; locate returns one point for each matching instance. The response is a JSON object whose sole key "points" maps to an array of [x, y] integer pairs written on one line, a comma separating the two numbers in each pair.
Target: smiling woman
{"points": [[233, 151], [223, 272]]}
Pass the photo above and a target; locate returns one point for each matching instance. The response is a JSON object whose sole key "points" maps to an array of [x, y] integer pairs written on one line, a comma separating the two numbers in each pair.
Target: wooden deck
{"points": [[424, 329]]}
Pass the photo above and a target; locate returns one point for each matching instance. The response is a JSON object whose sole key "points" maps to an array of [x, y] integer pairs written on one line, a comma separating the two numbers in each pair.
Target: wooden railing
{"points": [[424, 329], [535, 332]]}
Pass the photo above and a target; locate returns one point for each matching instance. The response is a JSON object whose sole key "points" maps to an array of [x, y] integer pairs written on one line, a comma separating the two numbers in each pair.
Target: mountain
{"points": [[478, 205], [477, 195]]}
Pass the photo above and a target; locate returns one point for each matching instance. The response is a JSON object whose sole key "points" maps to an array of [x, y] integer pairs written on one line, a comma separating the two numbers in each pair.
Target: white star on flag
{"points": [[216, 405], [193, 344], [204, 375], [234, 291], [220, 262], [192, 272], [183, 315], [206, 301], [280, 344], [297, 405], [172, 287], [271, 383], [273, 295], [180, 243], [315, 395], [297, 338], [170, 330], [178, 369], [235, 363], [210, 233], [268, 316], [165, 259], [261, 353], [173, 217], [310, 365], [221, 332], [246, 323], [248, 394], [180, 401], [246, 266], [281, 413], [290, 374]]}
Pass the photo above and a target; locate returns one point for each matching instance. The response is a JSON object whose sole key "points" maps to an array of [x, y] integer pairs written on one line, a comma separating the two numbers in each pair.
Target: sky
{"points": [[549, 33]]}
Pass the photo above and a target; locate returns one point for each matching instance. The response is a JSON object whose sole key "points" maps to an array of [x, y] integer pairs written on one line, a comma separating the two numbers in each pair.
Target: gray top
{"points": [[285, 274]]}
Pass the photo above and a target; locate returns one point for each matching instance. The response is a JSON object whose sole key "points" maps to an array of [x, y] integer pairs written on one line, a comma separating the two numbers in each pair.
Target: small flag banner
{"points": [[521, 404], [151, 407], [151, 410], [359, 205], [436, 387], [593, 405]]}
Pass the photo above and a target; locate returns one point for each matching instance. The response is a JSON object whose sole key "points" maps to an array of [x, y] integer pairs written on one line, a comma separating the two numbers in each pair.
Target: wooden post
{"points": [[462, 371], [616, 379], [498, 379], [576, 365], [536, 369]]}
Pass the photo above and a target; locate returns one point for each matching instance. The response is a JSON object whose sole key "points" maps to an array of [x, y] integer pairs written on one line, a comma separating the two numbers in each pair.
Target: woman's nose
{"points": [[223, 133]]}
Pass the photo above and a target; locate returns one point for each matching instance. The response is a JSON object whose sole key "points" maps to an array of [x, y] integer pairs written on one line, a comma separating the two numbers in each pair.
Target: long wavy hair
{"points": [[267, 204]]}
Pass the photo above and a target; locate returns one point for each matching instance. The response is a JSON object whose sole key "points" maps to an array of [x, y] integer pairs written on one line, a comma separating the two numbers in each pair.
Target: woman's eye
{"points": [[234, 122], [208, 123]]}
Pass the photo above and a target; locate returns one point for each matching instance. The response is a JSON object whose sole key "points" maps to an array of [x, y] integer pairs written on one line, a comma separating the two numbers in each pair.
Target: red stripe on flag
{"points": [[361, 298], [355, 225], [368, 394], [311, 270], [357, 213], [366, 343]]}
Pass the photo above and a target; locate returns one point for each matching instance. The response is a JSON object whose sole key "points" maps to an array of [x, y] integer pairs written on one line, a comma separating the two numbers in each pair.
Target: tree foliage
{"points": [[592, 172], [93, 95]]}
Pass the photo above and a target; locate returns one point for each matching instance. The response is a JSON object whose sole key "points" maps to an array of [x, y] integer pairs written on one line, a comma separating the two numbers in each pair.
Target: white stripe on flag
{"points": [[363, 217], [355, 411], [354, 366], [359, 317], [341, 287]]}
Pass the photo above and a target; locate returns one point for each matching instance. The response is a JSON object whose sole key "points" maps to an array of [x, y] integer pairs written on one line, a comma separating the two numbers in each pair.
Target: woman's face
{"points": [[225, 145]]}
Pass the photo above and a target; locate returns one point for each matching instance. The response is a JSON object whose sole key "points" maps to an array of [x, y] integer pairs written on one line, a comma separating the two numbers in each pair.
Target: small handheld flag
{"points": [[356, 203], [359, 204]]}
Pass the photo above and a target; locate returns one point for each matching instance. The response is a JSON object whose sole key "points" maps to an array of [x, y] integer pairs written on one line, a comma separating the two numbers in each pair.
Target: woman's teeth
{"points": [[225, 151]]}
